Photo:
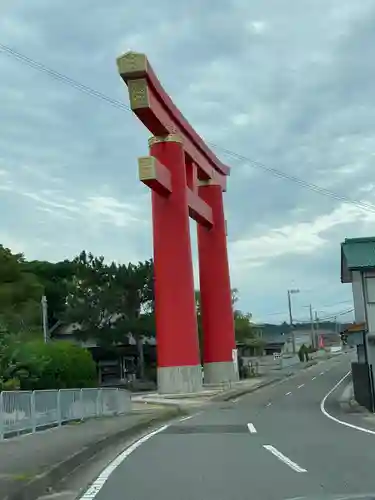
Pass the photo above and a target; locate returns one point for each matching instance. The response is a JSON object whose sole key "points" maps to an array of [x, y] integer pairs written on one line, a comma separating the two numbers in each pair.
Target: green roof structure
{"points": [[357, 254]]}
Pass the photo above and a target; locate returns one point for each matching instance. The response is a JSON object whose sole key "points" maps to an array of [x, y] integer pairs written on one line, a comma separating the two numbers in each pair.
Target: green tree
{"points": [[243, 326], [6, 362], [20, 294], [246, 331], [57, 280], [107, 302]]}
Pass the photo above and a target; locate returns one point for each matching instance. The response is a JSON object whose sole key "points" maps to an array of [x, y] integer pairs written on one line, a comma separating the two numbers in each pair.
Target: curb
{"points": [[236, 393], [228, 394], [47, 480], [348, 403], [346, 398]]}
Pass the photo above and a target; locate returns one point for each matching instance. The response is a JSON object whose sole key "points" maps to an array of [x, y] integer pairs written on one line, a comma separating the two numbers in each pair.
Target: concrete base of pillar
{"points": [[179, 379], [221, 372]]}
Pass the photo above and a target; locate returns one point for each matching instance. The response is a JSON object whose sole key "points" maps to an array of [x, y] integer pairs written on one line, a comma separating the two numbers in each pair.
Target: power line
{"points": [[327, 317], [283, 175], [280, 313], [332, 316], [338, 303], [120, 105], [61, 77]]}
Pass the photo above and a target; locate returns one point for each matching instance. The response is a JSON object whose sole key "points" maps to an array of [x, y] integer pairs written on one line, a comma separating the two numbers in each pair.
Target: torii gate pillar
{"points": [[219, 352], [186, 179]]}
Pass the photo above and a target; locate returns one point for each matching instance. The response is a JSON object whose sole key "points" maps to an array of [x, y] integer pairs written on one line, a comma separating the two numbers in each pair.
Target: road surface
{"points": [[273, 444]]}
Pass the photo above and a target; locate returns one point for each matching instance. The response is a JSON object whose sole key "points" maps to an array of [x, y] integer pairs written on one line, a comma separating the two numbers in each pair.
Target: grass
{"points": [[23, 477]]}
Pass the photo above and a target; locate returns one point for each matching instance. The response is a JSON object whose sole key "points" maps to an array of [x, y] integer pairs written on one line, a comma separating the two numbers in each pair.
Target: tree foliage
{"points": [[20, 294], [104, 301], [56, 280], [107, 302], [243, 326], [36, 365], [244, 329]]}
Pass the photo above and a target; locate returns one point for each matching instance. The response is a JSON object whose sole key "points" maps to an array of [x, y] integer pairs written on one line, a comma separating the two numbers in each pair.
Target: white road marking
{"points": [[321, 373], [313, 378], [338, 421], [190, 416], [99, 482], [302, 385], [186, 418], [251, 428], [283, 458], [235, 400], [288, 393], [269, 404]]}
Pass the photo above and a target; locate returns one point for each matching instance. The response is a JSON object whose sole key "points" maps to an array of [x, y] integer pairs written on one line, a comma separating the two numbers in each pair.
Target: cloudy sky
{"points": [[287, 83]]}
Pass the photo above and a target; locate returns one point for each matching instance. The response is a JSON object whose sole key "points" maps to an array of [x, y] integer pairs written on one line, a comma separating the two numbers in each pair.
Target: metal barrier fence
{"points": [[29, 411]]}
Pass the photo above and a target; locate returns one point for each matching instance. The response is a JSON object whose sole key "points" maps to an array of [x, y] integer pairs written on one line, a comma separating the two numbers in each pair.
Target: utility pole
{"points": [[317, 328], [290, 292], [312, 328], [45, 318]]}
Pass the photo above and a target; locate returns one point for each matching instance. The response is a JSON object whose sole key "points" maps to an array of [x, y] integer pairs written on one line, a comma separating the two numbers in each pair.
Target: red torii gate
{"points": [[186, 179]]}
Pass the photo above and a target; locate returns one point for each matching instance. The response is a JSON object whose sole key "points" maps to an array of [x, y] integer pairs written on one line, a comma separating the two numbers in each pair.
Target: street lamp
{"points": [[290, 293]]}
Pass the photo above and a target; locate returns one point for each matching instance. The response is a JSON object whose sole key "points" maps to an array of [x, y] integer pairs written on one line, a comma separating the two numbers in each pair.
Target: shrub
{"points": [[13, 384], [55, 365]]}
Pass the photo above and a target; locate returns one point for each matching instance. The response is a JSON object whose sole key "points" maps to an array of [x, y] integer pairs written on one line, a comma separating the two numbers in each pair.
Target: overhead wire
{"points": [[9, 51], [280, 313], [122, 106], [328, 317], [61, 77]]}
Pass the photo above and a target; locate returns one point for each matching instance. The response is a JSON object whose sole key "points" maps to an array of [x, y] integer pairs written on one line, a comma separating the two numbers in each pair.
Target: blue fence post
{"points": [[58, 407], [33, 412]]}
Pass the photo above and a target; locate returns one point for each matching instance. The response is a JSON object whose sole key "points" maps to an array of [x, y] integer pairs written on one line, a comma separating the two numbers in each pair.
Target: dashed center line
{"points": [[283, 458], [299, 387], [269, 404], [321, 373], [251, 428], [288, 393], [313, 378]]}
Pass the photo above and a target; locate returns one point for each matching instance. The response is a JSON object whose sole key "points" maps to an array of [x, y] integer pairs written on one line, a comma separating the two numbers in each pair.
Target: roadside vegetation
{"points": [[103, 302]]}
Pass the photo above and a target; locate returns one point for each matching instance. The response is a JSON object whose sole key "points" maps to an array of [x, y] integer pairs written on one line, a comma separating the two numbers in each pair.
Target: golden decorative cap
{"points": [[132, 64], [166, 138]]}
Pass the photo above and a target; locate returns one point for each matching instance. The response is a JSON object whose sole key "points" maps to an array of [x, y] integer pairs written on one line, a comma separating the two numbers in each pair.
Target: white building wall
{"points": [[370, 301], [358, 299]]}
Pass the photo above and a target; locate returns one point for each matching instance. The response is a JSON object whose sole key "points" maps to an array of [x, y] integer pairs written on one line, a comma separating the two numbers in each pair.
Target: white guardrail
{"points": [[29, 411]]}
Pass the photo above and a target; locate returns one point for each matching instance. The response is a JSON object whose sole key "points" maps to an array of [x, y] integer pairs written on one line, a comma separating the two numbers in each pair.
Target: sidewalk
{"points": [[214, 394], [31, 464]]}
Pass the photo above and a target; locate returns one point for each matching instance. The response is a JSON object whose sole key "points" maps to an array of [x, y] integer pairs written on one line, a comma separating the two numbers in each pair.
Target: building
{"points": [[358, 269], [119, 364]]}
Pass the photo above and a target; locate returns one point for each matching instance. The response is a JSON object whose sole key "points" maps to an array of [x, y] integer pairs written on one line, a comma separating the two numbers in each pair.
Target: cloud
{"points": [[301, 238], [263, 85]]}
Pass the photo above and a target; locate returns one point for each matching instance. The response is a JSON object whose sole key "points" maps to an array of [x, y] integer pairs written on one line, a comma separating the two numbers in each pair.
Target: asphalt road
{"points": [[273, 444]]}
